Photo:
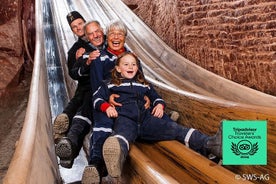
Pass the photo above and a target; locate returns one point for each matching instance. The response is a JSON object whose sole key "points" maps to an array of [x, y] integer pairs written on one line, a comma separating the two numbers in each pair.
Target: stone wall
{"points": [[15, 15], [234, 39]]}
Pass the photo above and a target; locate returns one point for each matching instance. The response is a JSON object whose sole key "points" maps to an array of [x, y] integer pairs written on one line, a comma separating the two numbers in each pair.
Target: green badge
{"points": [[244, 142]]}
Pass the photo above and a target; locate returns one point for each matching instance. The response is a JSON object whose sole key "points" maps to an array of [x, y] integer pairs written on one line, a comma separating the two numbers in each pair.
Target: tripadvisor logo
{"points": [[244, 148], [244, 142]]}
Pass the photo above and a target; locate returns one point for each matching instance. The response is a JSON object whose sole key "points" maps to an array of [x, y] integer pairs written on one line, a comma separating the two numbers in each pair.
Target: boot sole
{"points": [[66, 163], [64, 151], [112, 156], [90, 176], [61, 124]]}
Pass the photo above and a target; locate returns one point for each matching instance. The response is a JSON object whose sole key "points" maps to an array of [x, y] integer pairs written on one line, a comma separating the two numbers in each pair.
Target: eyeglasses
{"points": [[119, 35]]}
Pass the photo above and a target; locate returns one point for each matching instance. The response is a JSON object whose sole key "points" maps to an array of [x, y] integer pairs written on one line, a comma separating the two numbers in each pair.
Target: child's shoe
{"points": [[214, 144], [91, 175], [94, 173], [113, 156]]}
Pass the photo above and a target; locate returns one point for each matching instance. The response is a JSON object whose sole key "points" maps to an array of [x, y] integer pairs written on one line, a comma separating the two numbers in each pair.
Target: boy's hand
{"points": [[111, 112], [158, 111]]}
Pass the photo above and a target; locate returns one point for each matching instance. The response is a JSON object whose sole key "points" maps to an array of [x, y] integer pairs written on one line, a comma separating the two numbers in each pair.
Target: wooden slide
{"points": [[201, 103]]}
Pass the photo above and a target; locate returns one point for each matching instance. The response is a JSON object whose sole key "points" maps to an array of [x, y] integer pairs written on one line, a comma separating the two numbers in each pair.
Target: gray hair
{"points": [[92, 22], [116, 25]]}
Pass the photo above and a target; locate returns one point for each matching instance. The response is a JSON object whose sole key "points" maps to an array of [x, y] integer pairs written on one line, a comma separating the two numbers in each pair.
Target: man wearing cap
{"points": [[62, 121], [76, 119]]}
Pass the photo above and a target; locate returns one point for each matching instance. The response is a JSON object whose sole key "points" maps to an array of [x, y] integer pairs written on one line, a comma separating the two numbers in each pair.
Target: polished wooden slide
{"points": [[201, 105]]}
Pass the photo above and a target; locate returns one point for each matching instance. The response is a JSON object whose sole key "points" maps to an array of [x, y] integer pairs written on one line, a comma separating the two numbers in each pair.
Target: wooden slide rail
{"points": [[205, 113], [186, 165], [148, 171]]}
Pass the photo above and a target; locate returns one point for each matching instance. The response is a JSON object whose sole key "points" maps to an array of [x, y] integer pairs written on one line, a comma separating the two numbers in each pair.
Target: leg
{"points": [[69, 147], [214, 143], [64, 120], [101, 130], [115, 148], [169, 130]]}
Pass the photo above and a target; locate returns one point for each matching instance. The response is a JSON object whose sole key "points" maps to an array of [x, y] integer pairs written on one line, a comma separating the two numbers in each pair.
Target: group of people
{"points": [[115, 101]]}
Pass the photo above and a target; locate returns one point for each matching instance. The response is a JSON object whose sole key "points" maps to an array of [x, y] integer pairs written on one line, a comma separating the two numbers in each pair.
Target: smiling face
{"points": [[94, 34], [127, 66], [116, 36], [116, 39], [77, 27]]}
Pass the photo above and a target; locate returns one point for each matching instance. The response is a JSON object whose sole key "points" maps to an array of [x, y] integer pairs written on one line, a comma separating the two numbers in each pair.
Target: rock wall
{"points": [[234, 39], [14, 23]]}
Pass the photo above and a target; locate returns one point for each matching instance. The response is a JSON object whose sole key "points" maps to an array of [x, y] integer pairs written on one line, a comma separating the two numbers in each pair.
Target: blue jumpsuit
{"points": [[100, 70], [79, 108], [134, 121], [82, 119]]}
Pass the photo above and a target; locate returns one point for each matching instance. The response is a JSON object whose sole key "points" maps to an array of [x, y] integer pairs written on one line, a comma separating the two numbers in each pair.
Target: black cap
{"points": [[73, 16]]}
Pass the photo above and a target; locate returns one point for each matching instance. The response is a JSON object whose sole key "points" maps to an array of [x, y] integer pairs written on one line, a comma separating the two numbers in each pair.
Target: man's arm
{"points": [[96, 73]]}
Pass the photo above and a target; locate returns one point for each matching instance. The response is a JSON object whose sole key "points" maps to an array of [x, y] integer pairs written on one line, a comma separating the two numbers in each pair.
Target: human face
{"points": [[94, 34], [116, 39], [77, 27], [127, 66]]}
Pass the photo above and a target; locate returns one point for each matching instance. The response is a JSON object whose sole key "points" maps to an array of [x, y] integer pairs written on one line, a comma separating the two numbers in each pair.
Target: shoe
{"points": [[174, 116], [94, 173], [65, 152], [91, 175], [113, 157], [214, 144], [61, 126]]}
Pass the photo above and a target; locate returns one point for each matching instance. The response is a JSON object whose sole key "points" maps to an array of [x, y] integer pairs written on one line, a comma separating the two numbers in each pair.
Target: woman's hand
{"points": [[112, 101], [158, 111], [111, 112], [147, 104]]}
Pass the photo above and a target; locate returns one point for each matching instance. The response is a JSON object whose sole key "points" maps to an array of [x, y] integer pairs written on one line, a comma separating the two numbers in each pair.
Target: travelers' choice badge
{"points": [[244, 142]]}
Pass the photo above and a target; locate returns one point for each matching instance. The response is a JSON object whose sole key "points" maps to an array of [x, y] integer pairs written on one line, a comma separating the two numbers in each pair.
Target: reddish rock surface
{"points": [[15, 73], [12, 114], [11, 45], [235, 39], [15, 19]]}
